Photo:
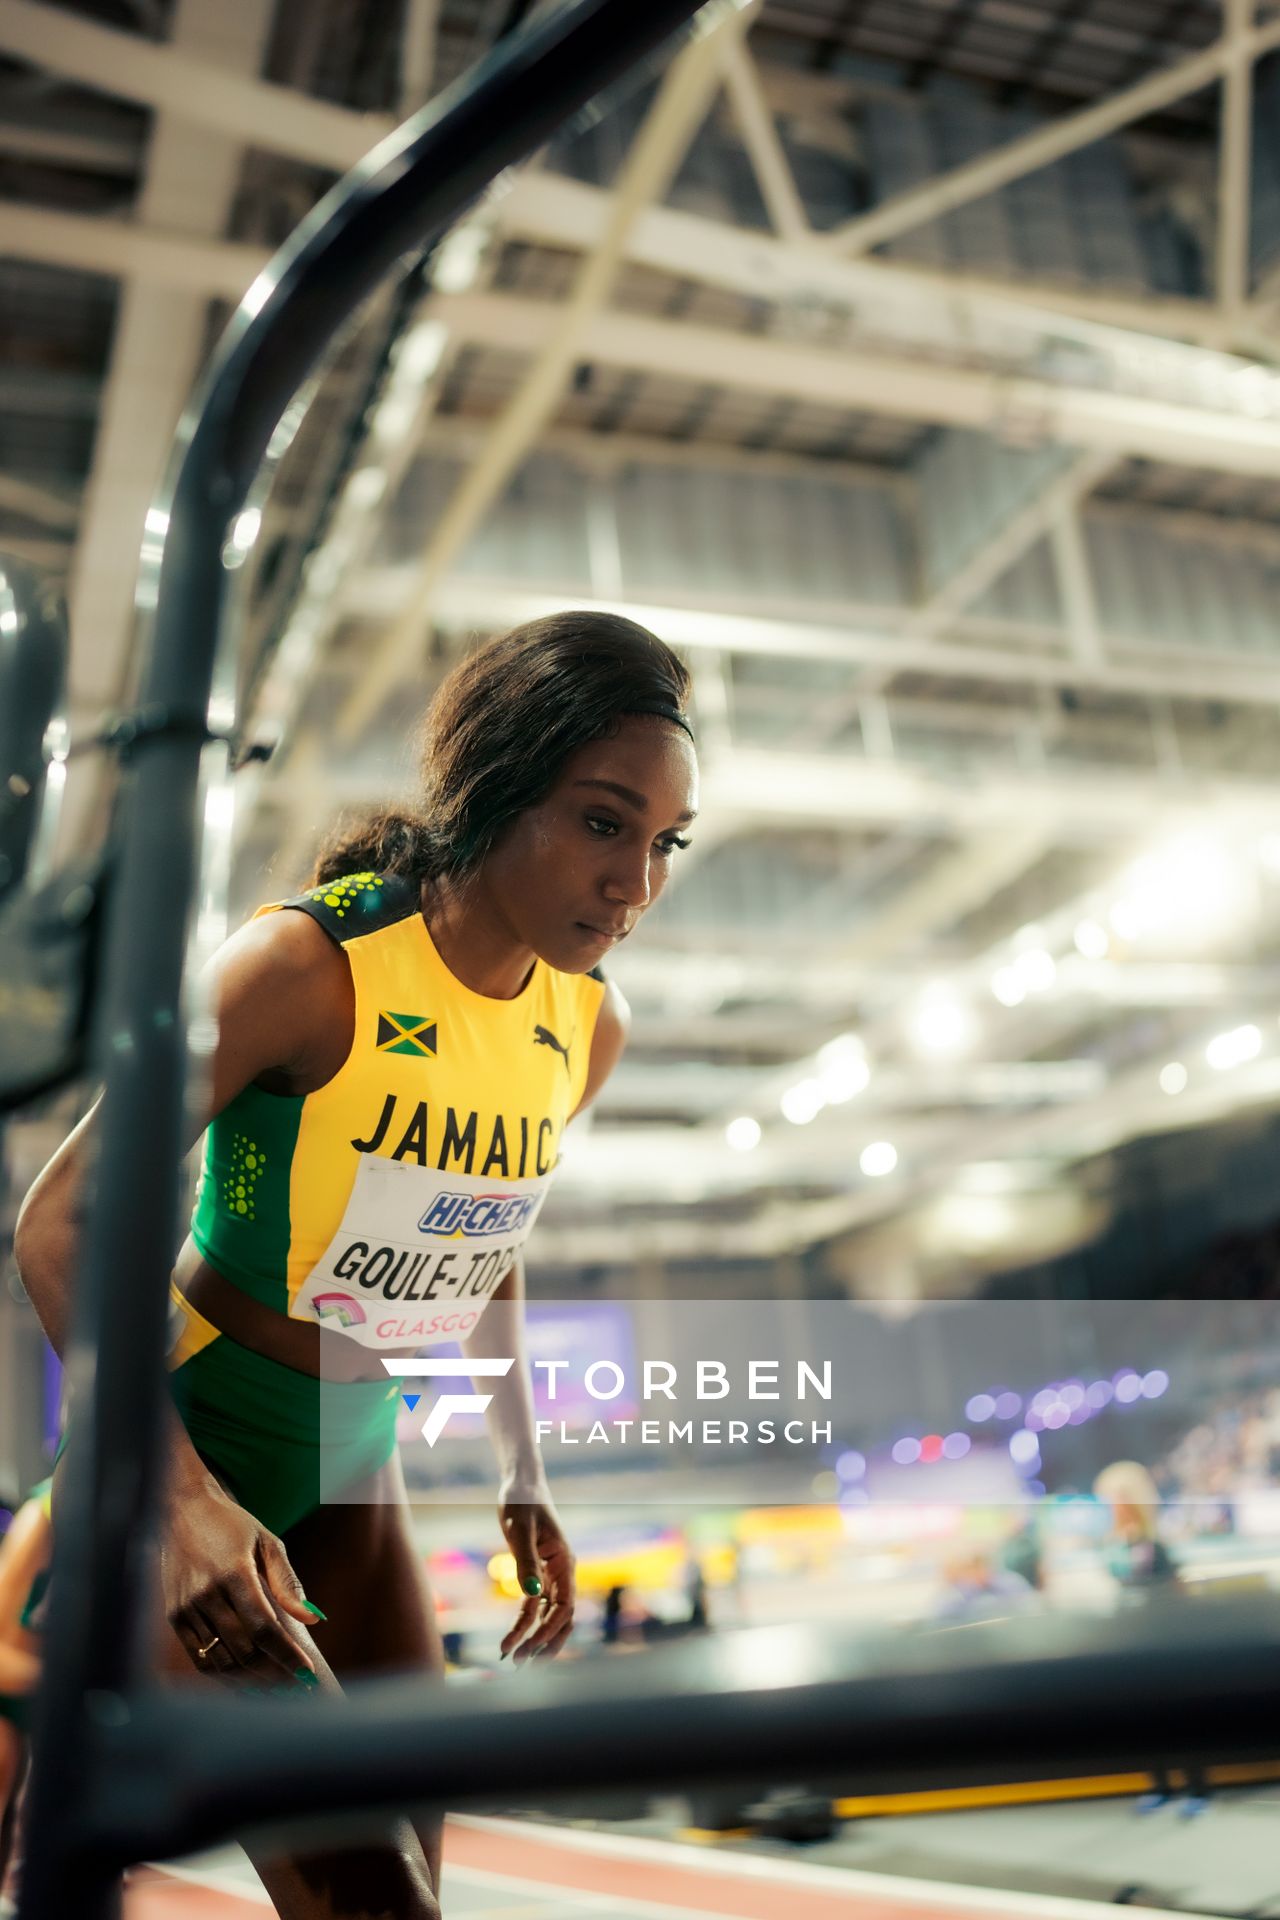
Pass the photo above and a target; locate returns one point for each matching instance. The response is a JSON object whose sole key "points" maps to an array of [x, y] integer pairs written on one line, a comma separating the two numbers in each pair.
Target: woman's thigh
{"points": [[11, 1751], [387, 1872], [358, 1563]]}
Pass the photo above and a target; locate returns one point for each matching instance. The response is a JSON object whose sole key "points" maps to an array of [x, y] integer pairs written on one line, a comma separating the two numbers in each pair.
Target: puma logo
{"points": [[543, 1037]]}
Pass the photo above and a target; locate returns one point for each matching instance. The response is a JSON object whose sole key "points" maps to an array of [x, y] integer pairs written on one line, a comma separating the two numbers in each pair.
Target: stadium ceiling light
{"points": [[457, 262], [879, 1158], [1233, 1049], [843, 1070], [802, 1102], [1037, 969], [942, 1025], [1188, 892], [1008, 986], [1091, 939]]}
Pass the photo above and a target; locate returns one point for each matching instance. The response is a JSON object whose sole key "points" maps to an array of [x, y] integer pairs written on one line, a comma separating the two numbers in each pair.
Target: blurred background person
{"points": [[1136, 1557], [976, 1587], [24, 1560], [1140, 1562]]}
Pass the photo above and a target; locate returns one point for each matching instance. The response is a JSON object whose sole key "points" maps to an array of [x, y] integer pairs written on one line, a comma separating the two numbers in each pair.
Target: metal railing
{"points": [[408, 190]]}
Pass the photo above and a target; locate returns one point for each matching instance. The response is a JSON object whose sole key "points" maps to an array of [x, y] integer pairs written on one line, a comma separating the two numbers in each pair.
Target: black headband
{"points": [[664, 711]]}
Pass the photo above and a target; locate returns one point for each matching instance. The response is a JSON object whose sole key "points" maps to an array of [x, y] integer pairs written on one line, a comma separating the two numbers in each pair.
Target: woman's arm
{"points": [[544, 1563], [613, 1024], [275, 986], [24, 1553], [500, 1330], [271, 988], [499, 1334]]}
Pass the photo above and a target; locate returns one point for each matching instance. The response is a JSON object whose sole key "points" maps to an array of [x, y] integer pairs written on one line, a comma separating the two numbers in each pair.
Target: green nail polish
{"points": [[305, 1675], [311, 1607], [532, 1586]]}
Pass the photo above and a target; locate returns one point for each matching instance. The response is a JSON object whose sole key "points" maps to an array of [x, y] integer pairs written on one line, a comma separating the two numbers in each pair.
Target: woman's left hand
{"points": [[544, 1568]]}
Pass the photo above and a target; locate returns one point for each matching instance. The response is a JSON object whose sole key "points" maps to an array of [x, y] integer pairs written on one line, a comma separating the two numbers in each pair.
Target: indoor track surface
{"points": [[508, 1870]]}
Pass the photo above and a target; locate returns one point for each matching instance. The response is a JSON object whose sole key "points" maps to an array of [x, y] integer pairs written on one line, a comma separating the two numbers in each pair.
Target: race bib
{"points": [[418, 1255]]}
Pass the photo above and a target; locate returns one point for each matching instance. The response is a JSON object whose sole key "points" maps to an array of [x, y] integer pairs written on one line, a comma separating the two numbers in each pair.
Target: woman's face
{"points": [[572, 876]]}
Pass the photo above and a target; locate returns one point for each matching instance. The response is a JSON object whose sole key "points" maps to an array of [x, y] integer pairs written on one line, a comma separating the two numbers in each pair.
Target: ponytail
{"points": [[381, 842]]}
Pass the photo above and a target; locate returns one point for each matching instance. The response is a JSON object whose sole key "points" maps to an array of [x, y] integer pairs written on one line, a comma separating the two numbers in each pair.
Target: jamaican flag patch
{"points": [[407, 1033]]}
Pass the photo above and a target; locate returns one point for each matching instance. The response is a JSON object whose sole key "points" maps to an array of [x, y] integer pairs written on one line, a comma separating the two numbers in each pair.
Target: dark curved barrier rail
{"points": [[408, 190], [1030, 1698]]}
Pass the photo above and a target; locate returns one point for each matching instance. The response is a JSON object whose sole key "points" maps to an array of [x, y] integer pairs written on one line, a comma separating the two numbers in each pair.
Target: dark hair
{"points": [[497, 732]]}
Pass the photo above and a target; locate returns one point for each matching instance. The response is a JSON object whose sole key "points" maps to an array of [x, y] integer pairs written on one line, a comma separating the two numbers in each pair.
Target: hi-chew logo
{"points": [[469, 1216], [438, 1418]]}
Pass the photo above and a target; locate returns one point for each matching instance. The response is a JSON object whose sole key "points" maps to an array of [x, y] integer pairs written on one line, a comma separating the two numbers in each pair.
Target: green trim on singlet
{"points": [[359, 903], [241, 1224], [30, 1606], [241, 1221]]}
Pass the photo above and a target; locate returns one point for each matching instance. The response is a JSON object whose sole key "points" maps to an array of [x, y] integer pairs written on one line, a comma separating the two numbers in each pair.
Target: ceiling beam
{"points": [[209, 267], [888, 384], [51, 556], [189, 185], [951, 886], [1008, 543], [681, 105], [890, 298], [603, 454], [1052, 141], [38, 503], [764, 149], [418, 53], [761, 788], [1075, 586], [747, 789], [240, 107], [79, 152], [1235, 141], [787, 628], [937, 614], [945, 309]]}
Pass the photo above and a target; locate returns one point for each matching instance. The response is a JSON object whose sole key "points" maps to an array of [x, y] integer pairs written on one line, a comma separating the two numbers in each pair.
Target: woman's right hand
{"points": [[226, 1577]]}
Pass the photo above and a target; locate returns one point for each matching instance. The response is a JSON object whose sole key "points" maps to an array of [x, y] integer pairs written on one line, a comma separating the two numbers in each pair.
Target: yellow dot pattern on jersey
{"points": [[341, 894], [239, 1188]]}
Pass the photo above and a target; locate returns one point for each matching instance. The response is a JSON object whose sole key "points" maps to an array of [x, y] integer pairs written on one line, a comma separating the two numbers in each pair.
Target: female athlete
{"points": [[399, 1050]]}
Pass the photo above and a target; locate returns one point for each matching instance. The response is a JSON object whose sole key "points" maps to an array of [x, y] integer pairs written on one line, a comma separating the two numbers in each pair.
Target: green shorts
{"points": [[283, 1442], [16, 1708]]}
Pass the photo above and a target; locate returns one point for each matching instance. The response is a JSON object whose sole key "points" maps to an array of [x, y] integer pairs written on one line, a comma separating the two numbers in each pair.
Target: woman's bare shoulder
{"points": [[279, 987]]}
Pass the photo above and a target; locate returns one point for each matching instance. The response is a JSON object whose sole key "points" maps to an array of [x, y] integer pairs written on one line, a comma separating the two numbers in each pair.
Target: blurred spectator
{"points": [[1023, 1555], [1136, 1555], [695, 1587], [1140, 1562], [611, 1617], [977, 1589], [24, 1558]]}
